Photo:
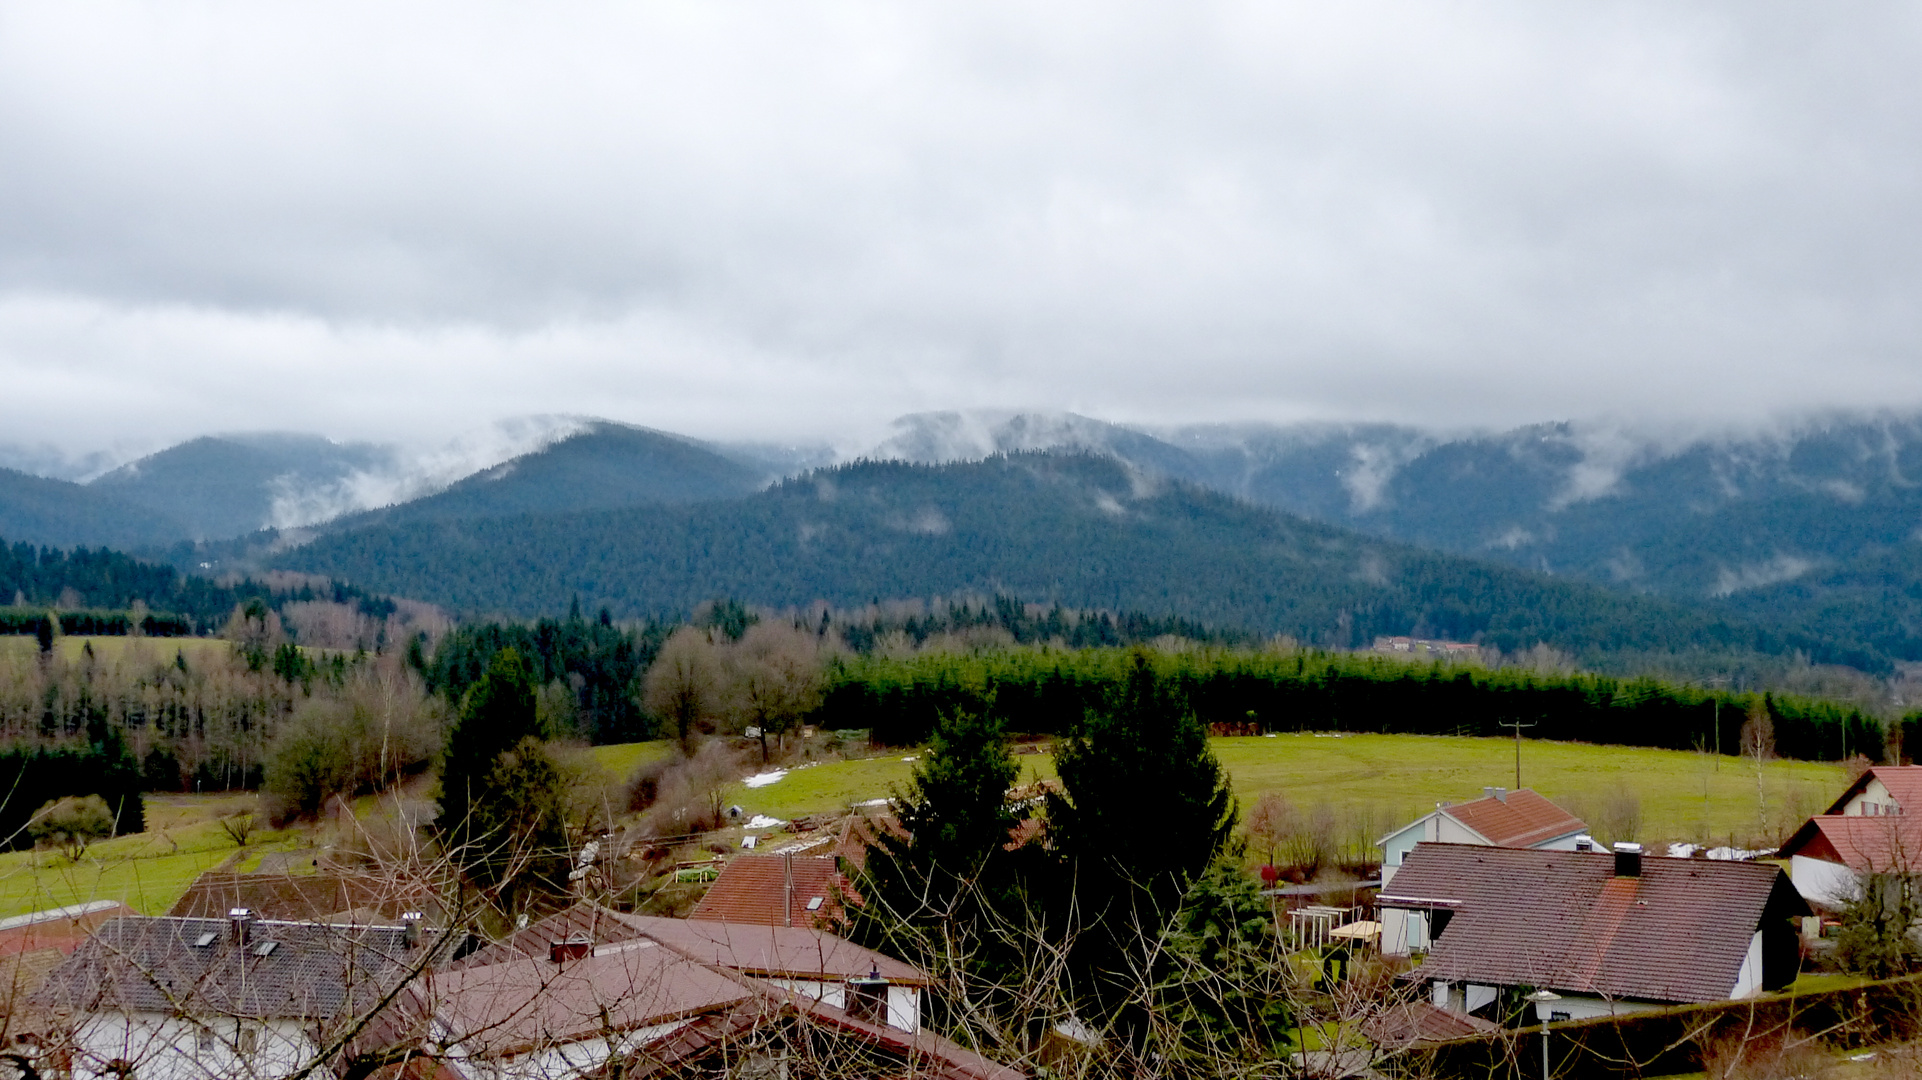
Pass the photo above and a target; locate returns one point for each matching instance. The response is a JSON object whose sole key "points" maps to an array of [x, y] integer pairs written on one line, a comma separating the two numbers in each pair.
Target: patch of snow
{"points": [[1735, 854], [1682, 851], [912, 757], [766, 778], [873, 802], [762, 821]]}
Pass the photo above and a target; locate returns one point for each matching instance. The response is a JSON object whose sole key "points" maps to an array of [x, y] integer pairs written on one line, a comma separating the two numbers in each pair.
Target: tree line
{"points": [[1045, 691]]}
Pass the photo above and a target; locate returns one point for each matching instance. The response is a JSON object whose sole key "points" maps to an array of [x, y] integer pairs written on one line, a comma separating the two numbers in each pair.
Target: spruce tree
{"points": [[498, 785], [1144, 809]]}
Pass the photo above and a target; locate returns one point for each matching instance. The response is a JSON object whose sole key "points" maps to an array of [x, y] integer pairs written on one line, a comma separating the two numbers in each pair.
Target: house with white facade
{"points": [[168, 998], [564, 997], [1500, 818], [1610, 932], [1875, 827]]}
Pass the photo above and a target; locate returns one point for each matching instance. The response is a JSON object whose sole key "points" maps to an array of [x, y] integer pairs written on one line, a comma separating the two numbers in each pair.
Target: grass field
{"points": [[148, 871], [112, 648], [1395, 778], [1379, 780]]}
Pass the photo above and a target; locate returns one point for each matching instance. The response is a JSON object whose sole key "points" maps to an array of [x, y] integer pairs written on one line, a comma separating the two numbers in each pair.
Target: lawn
{"points": [[1394, 778], [112, 648], [148, 871], [621, 759]]}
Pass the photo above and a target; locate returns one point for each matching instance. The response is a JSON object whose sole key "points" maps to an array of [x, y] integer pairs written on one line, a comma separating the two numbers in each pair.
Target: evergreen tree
{"points": [[500, 810], [950, 877], [1144, 803], [1144, 809]]}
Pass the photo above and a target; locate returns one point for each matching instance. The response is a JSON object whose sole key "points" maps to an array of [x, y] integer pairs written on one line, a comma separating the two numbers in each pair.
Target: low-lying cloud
{"points": [[753, 223]]}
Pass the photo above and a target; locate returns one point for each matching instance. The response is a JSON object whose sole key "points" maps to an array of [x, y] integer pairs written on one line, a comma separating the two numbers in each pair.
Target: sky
{"points": [[797, 222]]}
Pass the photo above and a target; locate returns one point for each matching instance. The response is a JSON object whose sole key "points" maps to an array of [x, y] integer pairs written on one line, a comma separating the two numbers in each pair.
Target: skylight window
{"points": [[814, 904], [205, 940], [266, 948]]}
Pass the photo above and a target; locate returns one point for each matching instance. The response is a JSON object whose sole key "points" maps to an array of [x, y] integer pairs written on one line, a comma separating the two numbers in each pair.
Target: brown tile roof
{"points": [[142, 964], [777, 951], [1418, 1023], [1561, 919], [517, 1005], [799, 951], [1521, 819], [775, 890], [328, 897], [925, 1053], [585, 920], [1863, 844]]}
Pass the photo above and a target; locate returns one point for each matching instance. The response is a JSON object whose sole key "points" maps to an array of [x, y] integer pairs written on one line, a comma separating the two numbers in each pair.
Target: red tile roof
{"points": [[1561, 919], [775, 890], [1863, 844], [1520, 819], [1903, 781], [57, 928], [325, 897]]}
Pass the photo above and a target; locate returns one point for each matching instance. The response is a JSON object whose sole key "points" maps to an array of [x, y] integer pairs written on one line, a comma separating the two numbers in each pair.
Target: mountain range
{"points": [[1810, 529]]}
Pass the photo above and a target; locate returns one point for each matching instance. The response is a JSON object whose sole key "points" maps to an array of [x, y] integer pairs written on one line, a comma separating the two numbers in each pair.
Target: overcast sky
{"points": [[800, 220]]}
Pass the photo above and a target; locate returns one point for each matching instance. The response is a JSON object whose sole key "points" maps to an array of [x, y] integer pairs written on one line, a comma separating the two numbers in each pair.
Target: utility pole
{"points": [[1518, 726]]}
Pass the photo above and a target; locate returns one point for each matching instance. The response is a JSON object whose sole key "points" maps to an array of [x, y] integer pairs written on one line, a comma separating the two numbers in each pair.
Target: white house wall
{"points": [[1432, 828], [163, 1047], [1874, 798], [904, 1008], [1823, 882], [1581, 1007], [563, 1061], [1748, 981], [1403, 931]]}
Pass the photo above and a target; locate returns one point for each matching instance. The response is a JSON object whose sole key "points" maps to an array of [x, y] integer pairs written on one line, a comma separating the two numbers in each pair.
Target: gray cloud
{"points": [[740, 221]]}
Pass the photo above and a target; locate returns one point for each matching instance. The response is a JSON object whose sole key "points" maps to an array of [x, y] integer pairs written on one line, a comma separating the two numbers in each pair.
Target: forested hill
{"points": [[607, 466], [1079, 530], [34, 580]]}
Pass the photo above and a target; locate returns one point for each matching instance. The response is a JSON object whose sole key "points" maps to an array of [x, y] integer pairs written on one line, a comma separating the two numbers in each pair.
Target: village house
{"points": [[801, 959], [566, 995], [776, 890], [168, 998], [1875, 827], [173, 997], [1500, 818], [1609, 932], [322, 897]]}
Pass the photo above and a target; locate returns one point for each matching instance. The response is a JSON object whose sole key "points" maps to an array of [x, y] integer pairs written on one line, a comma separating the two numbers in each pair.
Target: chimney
{"points": [[1584, 842], [1628, 860], [1488, 793], [410, 929], [1501, 794], [239, 917], [575, 947]]}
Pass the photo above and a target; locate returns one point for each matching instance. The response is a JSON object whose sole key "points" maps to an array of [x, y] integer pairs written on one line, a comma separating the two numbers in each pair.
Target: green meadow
{"points": [[1373, 782]]}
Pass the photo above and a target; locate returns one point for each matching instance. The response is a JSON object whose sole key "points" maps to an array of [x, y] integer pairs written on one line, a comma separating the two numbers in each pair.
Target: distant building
{"points": [[168, 998], [1875, 827], [776, 890], [1609, 932], [1500, 818]]}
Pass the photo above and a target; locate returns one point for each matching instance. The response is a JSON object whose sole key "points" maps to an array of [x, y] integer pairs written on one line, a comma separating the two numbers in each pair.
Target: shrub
{"points": [[72, 823]]}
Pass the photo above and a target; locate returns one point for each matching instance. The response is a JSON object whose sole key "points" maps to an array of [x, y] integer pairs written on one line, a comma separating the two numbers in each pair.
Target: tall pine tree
{"points": [[501, 797]]}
